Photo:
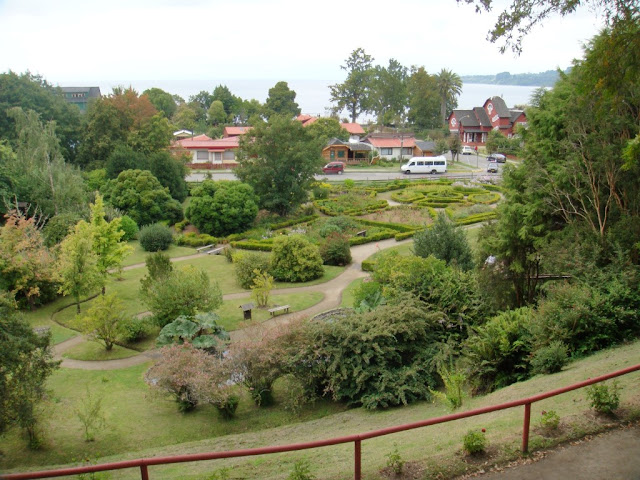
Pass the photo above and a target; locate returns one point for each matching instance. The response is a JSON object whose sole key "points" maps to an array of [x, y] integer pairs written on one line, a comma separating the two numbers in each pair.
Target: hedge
{"points": [[400, 227], [295, 221], [478, 217], [404, 235], [253, 245], [372, 238], [368, 265], [195, 240], [494, 199]]}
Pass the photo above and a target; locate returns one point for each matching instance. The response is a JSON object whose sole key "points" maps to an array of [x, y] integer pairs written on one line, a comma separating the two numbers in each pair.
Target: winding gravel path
{"points": [[332, 291]]}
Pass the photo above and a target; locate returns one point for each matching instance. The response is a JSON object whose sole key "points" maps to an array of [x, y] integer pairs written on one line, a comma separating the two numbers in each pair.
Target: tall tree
{"points": [[25, 364], [389, 93], [32, 92], [449, 87], [281, 101], [353, 93], [163, 101], [216, 114], [279, 160], [515, 22], [424, 102], [38, 171]]}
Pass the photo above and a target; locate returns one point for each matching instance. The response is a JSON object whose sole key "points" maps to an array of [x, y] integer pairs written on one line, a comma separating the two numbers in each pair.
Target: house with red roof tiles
{"points": [[205, 150], [399, 146], [234, 131], [473, 126]]}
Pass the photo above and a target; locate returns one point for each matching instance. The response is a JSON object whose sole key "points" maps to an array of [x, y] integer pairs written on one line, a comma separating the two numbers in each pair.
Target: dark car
{"points": [[497, 157], [334, 167]]}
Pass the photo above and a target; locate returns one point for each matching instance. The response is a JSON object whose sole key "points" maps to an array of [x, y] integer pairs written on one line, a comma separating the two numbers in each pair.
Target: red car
{"points": [[334, 167]]}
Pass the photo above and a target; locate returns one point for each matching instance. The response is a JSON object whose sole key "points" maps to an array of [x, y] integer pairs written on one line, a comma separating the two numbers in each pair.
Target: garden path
{"points": [[332, 291]]}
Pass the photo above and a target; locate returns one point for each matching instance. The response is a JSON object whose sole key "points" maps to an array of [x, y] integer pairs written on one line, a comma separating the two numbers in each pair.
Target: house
{"points": [[348, 152], [80, 96], [228, 132], [180, 134], [473, 126], [393, 145], [221, 153]]}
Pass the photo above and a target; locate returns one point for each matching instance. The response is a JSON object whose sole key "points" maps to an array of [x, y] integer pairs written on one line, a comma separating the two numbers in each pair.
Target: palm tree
{"points": [[449, 87]]}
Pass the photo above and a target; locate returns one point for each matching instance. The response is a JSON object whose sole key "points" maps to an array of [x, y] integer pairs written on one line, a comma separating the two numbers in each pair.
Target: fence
{"points": [[356, 439]]}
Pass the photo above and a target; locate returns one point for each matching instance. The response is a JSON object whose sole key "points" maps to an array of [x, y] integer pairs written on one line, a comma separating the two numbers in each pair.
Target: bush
{"points": [[340, 224], [603, 399], [336, 250], [195, 240], [301, 471], [59, 227], [130, 228], [133, 329], [395, 461], [549, 359], [474, 442], [549, 420], [246, 264], [227, 407], [444, 241], [156, 237], [295, 259]]}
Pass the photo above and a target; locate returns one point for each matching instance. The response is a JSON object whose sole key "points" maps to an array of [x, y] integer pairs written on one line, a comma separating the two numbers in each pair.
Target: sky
{"points": [[185, 46]]}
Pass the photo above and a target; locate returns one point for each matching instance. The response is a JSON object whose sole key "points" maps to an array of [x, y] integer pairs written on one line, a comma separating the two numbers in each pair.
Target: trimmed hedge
{"points": [[404, 235], [368, 265], [295, 221], [253, 245], [495, 197], [383, 235], [195, 240], [400, 227], [478, 217]]}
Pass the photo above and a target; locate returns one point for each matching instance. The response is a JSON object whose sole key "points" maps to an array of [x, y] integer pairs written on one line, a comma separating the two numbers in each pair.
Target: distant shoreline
{"points": [[542, 79]]}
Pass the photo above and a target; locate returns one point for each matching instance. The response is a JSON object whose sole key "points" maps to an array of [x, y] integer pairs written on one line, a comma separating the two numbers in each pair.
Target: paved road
{"points": [[613, 455]]}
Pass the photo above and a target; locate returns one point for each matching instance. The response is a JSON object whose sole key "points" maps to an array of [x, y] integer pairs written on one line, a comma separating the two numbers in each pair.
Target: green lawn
{"points": [[141, 424], [347, 293], [139, 255], [92, 351]]}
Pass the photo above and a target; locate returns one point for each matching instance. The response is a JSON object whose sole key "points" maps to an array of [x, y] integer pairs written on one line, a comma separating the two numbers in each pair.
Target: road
{"points": [[477, 163]]}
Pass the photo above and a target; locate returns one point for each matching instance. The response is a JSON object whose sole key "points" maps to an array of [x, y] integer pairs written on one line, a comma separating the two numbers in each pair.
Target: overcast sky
{"points": [[72, 42]]}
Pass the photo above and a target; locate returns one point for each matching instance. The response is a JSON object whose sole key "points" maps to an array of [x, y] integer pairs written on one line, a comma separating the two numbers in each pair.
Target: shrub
{"points": [[444, 241], [395, 461], [195, 240], [227, 407], [133, 329], [336, 250], [301, 471], [549, 420], [59, 227], [340, 224], [246, 264], [156, 237], [474, 442], [603, 399], [368, 296], [549, 359], [295, 259], [130, 228], [320, 193]]}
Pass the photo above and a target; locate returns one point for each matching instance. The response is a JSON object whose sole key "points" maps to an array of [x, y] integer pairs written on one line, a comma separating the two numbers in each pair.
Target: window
{"points": [[202, 156], [420, 163], [386, 151], [341, 154], [229, 155], [217, 157], [407, 151], [439, 162]]}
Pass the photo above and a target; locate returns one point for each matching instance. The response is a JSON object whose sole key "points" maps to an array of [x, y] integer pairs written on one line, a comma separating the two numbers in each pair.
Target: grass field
{"points": [[140, 424]]}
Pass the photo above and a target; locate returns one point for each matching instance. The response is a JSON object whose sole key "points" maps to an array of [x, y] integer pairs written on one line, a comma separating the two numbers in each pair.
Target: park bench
{"points": [[282, 308], [361, 233], [215, 251], [206, 247]]}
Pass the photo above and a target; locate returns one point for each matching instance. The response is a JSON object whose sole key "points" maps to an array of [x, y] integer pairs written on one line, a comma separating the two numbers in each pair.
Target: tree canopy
{"points": [[281, 101], [353, 93], [279, 160]]}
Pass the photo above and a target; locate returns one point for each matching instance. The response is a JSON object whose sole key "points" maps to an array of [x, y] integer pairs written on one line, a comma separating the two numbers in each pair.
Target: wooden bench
{"points": [[215, 251], [282, 308], [361, 233], [204, 248]]}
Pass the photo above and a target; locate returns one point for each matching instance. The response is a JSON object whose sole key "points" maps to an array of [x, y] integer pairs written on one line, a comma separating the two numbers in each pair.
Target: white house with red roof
{"points": [[204, 149], [399, 146]]}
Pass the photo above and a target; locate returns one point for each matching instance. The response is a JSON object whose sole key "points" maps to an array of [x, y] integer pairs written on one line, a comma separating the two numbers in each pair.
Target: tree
{"points": [[222, 208], [103, 321], [186, 117], [27, 268], [455, 145], [353, 94], [231, 103], [38, 172], [163, 101], [279, 160], [445, 241], [32, 92], [108, 246], [123, 157], [142, 197], [170, 172], [449, 87], [281, 101], [295, 259], [518, 20], [25, 364], [77, 265], [423, 99], [389, 93], [184, 291], [216, 113], [324, 129]]}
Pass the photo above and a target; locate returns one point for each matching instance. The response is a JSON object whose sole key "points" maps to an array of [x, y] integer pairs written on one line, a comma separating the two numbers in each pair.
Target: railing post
{"points": [[144, 473], [357, 466], [525, 427]]}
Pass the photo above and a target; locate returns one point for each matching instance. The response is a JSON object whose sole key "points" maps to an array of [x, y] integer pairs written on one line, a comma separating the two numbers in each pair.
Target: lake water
{"points": [[313, 95]]}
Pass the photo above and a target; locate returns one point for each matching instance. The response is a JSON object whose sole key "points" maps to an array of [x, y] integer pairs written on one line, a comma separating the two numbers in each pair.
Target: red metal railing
{"points": [[144, 463]]}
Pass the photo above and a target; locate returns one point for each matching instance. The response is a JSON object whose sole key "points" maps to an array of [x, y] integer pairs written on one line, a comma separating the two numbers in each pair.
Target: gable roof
{"points": [[426, 145], [353, 128], [202, 142], [391, 142], [499, 106], [234, 131]]}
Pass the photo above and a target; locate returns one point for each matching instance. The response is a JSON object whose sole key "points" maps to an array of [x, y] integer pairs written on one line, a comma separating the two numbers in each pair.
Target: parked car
{"points": [[334, 167], [467, 150], [492, 167], [497, 157]]}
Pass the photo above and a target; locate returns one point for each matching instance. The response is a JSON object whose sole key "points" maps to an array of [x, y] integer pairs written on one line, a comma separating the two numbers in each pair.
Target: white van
{"points": [[425, 165]]}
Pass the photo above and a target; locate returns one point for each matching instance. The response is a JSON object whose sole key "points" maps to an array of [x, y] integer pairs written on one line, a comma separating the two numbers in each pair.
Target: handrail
{"points": [[144, 463]]}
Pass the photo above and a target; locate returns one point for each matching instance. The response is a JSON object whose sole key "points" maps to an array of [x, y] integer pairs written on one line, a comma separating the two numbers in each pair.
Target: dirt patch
{"points": [[410, 471]]}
